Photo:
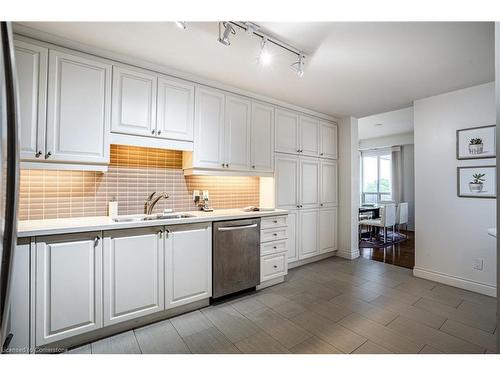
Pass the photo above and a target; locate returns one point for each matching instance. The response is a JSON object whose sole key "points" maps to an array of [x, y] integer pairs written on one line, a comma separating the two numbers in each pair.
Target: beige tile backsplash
{"points": [[133, 173]]}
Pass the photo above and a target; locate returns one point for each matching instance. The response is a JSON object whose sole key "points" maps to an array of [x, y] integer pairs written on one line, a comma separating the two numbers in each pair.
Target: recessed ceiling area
{"points": [[384, 124], [352, 68]]}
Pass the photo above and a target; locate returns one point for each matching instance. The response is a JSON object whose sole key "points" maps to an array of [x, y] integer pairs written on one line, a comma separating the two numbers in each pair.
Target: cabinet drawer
{"points": [[273, 222], [273, 234], [272, 247], [272, 266]]}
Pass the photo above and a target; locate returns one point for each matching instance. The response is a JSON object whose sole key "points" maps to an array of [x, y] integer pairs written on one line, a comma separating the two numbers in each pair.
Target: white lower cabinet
{"points": [[327, 230], [293, 225], [308, 233], [133, 273], [272, 266], [273, 249], [68, 292], [188, 264]]}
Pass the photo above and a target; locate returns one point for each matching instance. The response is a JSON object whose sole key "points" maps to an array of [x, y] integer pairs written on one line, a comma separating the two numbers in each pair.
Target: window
{"points": [[376, 181]]}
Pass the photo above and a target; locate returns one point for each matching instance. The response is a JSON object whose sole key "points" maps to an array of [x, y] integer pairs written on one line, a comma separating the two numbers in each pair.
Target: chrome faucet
{"points": [[152, 200]]}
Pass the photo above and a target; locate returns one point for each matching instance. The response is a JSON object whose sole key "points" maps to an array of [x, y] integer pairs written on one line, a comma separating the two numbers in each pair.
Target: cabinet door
{"points": [[134, 101], [309, 183], [292, 244], [287, 132], [31, 65], [287, 181], [237, 133], [328, 136], [78, 113], [209, 129], [175, 119], [262, 138], [133, 274], [328, 178], [309, 136], [68, 298], [327, 230], [308, 233], [188, 264]]}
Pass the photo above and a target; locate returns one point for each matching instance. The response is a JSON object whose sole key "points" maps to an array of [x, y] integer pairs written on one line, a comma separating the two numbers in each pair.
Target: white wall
{"points": [[387, 141], [348, 188], [451, 232], [386, 123]]}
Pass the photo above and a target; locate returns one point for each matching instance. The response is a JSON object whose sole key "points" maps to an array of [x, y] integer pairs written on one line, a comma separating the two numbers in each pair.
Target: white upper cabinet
{"points": [[209, 129], [308, 233], [309, 136], [327, 230], [328, 183], [237, 133], [78, 112], [134, 101], [175, 112], [68, 286], [287, 132], [328, 140], [31, 64], [262, 137], [309, 182], [133, 273], [287, 181], [188, 264]]}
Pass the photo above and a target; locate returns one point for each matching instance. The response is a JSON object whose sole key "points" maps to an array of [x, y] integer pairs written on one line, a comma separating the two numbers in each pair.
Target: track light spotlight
{"points": [[298, 66], [228, 30], [264, 55], [180, 25]]}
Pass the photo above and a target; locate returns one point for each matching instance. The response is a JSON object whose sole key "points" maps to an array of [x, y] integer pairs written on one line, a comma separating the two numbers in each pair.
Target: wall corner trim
{"points": [[348, 254], [473, 286]]}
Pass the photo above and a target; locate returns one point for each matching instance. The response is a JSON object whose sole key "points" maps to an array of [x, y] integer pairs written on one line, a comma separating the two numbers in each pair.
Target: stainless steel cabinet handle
{"points": [[275, 234], [275, 266], [96, 241], [227, 165], [160, 233], [321, 204], [224, 229], [38, 154], [223, 165], [275, 221], [298, 150], [321, 154], [159, 132], [153, 131], [48, 155], [275, 247], [253, 166]]}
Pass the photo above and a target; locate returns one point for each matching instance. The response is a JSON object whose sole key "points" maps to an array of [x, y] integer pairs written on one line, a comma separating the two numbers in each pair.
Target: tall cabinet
{"points": [[306, 180]]}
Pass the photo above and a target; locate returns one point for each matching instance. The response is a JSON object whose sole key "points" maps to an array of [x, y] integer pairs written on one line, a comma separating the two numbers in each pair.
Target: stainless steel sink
{"points": [[125, 219]]}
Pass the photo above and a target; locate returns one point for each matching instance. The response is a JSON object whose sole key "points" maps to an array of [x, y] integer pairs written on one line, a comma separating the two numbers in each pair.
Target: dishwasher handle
{"points": [[238, 227]]}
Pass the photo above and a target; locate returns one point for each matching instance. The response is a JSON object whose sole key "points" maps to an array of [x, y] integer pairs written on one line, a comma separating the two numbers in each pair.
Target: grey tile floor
{"points": [[332, 306]]}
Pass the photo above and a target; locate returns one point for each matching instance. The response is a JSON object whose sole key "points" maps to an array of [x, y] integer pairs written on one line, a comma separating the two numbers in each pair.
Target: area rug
{"points": [[392, 239]]}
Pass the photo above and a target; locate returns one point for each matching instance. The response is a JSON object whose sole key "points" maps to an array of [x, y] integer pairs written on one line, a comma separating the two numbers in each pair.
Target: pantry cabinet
{"points": [[308, 233], [31, 63], [262, 137], [292, 248], [68, 286], [237, 133], [327, 230], [286, 177], [134, 101], [287, 132], [175, 111], [188, 264], [309, 136], [133, 273], [309, 182], [328, 140], [78, 112], [328, 183]]}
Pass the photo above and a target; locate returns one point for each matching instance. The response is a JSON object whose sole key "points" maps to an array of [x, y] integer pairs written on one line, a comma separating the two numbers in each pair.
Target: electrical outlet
{"points": [[478, 264]]}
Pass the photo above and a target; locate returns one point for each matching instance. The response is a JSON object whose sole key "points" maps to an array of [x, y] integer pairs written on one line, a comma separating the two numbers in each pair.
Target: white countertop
{"points": [[30, 228]]}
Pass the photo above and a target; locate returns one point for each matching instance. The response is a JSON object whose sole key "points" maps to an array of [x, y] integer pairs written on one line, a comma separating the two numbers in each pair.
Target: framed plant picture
{"points": [[477, 182], [476, 143]]}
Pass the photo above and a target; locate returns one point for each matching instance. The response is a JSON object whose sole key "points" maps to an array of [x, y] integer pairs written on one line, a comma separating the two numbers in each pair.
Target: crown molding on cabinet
{"points": [[42, 36]]}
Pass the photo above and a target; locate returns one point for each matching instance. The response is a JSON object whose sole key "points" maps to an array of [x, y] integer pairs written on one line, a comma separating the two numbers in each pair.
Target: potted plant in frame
{"points": [[476, 146], [477, 183]]}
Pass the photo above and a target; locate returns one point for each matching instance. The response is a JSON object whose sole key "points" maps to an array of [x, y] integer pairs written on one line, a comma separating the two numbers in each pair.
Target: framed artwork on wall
{"points": [[476, 143], [476, 182]]}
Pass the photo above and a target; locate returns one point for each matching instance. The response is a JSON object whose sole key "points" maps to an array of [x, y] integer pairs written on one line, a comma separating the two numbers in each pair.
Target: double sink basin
{"points": [[123, 219]]}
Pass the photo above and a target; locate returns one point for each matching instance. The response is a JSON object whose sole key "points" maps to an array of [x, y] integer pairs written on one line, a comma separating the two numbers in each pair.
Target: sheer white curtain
{"points": [[397, 174]]}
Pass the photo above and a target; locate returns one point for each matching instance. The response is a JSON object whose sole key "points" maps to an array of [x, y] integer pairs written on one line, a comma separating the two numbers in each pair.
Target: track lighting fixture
{"points": [[251, 28], [264, 58], [228, 30], [298, 66], [180, 25]]}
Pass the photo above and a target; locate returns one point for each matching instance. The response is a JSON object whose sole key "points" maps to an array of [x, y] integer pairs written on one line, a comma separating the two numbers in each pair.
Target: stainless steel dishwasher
{"points": [[236, 256]]}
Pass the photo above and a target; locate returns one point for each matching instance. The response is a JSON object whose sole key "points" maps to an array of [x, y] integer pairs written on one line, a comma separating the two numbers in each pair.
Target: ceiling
{"points": [[384, 124], [352, 68]]}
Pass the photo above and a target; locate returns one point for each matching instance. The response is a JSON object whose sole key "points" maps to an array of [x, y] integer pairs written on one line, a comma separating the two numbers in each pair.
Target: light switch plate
{"points": [[478, 264]]}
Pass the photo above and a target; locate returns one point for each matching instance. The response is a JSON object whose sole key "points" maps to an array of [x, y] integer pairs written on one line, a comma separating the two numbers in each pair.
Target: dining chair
{"points": [[387, 219], [402, 215]]}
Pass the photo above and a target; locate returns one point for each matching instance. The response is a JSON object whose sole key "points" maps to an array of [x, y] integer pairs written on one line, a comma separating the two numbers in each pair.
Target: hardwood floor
{"points": [[331, 306], [401, 254]]}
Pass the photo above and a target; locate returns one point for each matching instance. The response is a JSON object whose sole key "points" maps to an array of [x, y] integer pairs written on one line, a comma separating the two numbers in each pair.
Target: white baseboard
{"points": [[348, 254], [316, 258], [473, 286]]}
